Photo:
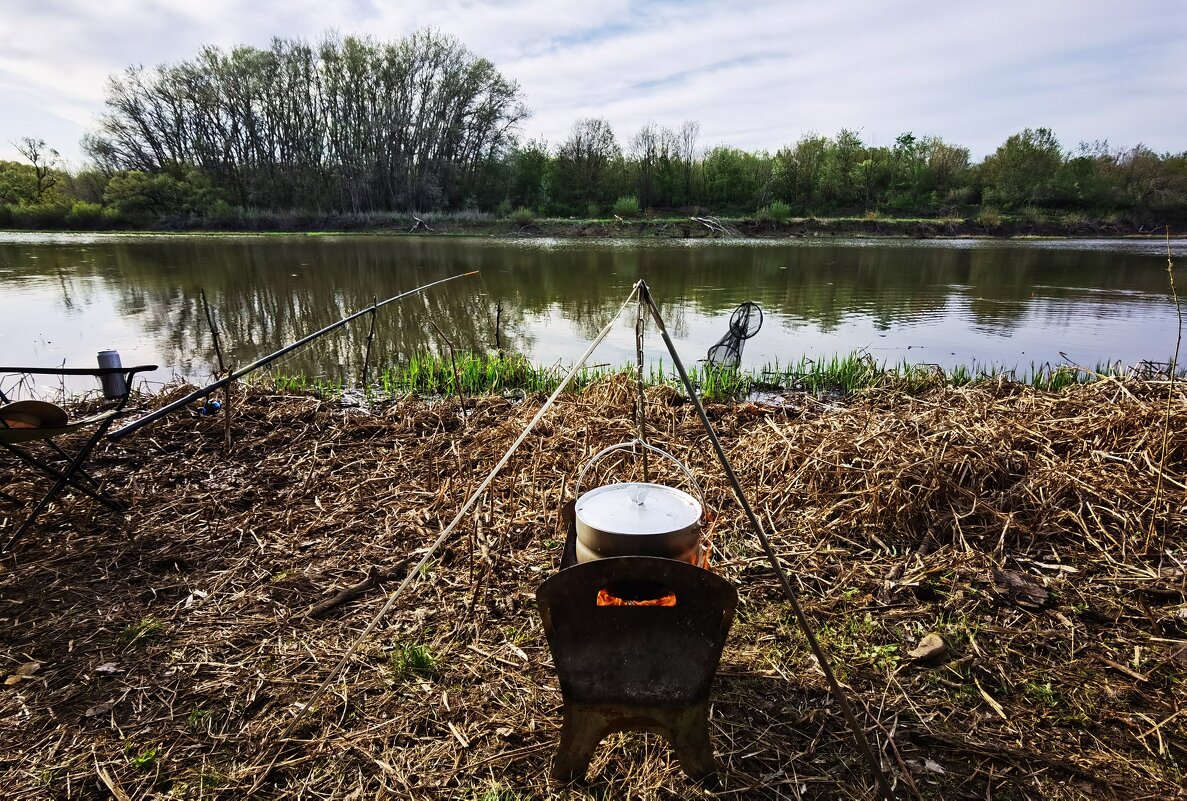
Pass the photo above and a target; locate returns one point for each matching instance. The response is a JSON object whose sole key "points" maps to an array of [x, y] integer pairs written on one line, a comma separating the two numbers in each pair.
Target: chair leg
{"points": [[64, 477], [96, 492]]}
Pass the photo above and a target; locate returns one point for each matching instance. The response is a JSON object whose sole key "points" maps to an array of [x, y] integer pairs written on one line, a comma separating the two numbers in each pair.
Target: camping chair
{"points": [[30, 421]]}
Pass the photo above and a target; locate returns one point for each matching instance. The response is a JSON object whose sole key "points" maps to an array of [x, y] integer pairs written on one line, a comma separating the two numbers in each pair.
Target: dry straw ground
{"points": [[161, 655]]}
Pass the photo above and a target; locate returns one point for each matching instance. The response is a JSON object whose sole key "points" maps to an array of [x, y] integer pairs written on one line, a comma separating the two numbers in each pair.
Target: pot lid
{"points": [[638, 508]]}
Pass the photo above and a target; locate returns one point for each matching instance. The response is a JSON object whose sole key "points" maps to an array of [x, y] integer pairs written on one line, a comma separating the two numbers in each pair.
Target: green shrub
{"points": [[960, 196], [503, 210], [522, 216], [627, 206], [592, 210], [776, 212], [44, 215], [6, 214], [870, 215], [112, 218], [85, 215], [221, 211]]}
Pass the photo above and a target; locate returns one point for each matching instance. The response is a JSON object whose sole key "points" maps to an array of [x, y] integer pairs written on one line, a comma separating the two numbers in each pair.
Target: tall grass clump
{"points": [[843, 374], [476, 374], [776, 212], [988, 217], [300, 382], [627, 207], [720, 384]]}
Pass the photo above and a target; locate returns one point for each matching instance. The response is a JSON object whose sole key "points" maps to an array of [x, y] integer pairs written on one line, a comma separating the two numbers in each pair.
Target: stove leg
{"points": [[688, 732], [686, 729], [583, 728]]}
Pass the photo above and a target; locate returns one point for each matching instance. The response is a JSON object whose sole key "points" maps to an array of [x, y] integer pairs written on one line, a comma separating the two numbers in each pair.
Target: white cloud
{"points": [[754, 74]]}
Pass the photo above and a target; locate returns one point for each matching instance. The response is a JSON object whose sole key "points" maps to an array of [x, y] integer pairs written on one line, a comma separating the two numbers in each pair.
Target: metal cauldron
{"points": [[638, 518]]}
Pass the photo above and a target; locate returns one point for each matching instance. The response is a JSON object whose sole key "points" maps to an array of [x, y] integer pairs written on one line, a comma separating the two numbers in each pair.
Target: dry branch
{"points": [[375, 577]]}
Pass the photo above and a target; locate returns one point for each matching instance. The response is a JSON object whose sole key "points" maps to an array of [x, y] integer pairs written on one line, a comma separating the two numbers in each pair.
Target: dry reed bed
{"points": [[1027, 529]]}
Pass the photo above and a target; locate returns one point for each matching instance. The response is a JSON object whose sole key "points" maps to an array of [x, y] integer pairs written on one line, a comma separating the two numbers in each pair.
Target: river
{"points": [[982, 303]]}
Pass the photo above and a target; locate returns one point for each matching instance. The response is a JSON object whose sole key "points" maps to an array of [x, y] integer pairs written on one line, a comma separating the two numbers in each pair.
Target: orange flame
{"points": [[606, 599]]}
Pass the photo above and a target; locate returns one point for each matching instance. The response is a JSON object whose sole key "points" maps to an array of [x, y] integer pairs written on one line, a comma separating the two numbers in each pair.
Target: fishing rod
{"points": [[197, 394]]}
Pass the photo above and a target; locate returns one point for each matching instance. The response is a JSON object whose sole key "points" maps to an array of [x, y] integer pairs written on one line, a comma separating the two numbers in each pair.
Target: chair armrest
{"points": [[95, 371]]}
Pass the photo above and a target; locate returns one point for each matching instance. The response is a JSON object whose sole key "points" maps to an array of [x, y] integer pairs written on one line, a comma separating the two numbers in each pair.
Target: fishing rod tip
{"points": [[472, 272]]}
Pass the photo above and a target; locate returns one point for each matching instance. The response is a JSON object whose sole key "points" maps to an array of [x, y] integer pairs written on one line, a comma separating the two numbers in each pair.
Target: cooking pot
{"points": [[638, 518]]}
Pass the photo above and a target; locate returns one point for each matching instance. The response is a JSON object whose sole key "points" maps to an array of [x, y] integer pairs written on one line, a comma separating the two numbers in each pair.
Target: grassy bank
{"points": [[161, 654], [479, 374]]}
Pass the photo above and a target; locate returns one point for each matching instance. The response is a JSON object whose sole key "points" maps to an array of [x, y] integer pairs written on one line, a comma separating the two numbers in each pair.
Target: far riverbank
{"points": [[982, 224]]}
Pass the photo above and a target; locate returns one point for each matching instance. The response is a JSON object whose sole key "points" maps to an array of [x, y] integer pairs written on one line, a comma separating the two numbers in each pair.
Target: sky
{"points": [[756, 75]]}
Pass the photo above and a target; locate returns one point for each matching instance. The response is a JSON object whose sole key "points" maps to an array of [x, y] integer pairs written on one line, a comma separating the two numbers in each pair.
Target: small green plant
{"points": [[515, 635], [140, 631], [776, 212], [627, 207], [197, 719], [48, 776], [411, 660], [497, 792], [884, 657], [1041, 693], [144, 760]]}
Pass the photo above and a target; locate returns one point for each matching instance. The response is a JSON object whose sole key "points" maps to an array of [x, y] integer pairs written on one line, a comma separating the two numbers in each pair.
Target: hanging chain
{"points": [[640, 396]]}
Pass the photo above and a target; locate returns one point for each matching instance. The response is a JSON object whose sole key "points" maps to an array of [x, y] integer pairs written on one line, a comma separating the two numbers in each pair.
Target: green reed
{"points": [[482, 374]]}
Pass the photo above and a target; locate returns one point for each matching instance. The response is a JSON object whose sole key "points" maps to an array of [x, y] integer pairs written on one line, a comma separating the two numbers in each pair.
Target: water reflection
{"points": [[62, 299]]}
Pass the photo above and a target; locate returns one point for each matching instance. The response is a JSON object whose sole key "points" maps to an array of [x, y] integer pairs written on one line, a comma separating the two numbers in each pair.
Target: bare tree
{"points": [[44, 160], [645, 147], [586, 156], [690, 133], [349, 124]]}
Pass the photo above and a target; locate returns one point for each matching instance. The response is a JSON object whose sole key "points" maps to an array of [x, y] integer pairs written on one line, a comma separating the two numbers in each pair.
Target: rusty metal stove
{"points": [[635, 668]]}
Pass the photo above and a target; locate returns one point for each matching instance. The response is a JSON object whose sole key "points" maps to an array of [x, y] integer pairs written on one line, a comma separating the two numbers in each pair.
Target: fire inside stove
{"points": [[646, 593]]}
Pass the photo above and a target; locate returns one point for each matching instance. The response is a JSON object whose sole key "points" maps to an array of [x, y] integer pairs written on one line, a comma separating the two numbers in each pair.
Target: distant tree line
{"points": [[353, 126]]}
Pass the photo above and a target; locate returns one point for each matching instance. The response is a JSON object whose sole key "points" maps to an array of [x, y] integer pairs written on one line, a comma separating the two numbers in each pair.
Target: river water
{"points": [[1010, 305]]}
